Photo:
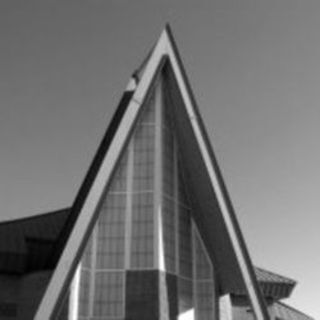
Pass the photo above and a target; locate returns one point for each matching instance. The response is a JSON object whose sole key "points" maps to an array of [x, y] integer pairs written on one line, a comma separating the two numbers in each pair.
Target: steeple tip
{"points": [[167, 28]]}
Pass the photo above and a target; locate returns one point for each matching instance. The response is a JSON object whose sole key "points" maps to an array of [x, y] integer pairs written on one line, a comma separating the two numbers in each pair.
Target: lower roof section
{"points": [[274, 285], [282, 311], [26, 245]]}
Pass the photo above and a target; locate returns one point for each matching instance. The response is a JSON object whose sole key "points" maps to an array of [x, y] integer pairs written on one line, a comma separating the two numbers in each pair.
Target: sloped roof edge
{"points": [[286, 312], [217, 181], [274, 285], [269, 276], [80, 222], [33, 217]]}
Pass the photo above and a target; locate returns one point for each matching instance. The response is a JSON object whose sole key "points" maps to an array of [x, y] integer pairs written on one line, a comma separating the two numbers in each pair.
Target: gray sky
{"points": [[254, 67]]}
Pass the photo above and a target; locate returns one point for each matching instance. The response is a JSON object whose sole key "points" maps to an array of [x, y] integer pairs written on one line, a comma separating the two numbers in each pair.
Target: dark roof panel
{"points": [[19, 237], [268, 276], [272, 285]]}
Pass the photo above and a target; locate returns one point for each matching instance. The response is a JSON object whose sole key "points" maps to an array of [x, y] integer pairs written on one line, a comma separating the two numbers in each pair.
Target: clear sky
{"points": [[255, 70]]}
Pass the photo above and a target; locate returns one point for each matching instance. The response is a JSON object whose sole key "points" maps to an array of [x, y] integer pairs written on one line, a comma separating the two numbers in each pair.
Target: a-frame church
{"points": [[152, 233]]}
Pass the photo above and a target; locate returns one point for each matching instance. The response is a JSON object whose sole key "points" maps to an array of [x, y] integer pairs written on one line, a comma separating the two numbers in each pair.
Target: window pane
{"points": [[111, 232], [143, 158], [185, 245], [204, 308], [185, 295], [203, 265], [169, 234], [119, 178], [109, 294], [148, 111], [168, 162], [142, 230], [84, 293]]}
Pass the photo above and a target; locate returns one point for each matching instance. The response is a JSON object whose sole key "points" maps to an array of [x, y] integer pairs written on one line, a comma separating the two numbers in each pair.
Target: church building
{"points": [[151, 234]]}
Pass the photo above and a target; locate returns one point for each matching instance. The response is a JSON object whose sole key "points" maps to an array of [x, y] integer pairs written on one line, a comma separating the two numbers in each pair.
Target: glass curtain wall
{"points": [[125, 235]]}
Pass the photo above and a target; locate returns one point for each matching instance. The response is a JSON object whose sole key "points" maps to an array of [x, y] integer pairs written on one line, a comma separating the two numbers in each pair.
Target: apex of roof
{"points": [[140, 70]]}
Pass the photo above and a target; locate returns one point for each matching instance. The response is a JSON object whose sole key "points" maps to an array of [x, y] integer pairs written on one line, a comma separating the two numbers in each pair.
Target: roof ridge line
{"points": [[34, 216]]}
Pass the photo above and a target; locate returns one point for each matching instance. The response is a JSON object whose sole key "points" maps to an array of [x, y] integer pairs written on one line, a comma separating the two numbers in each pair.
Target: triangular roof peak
{"points": [[166, 39], [228, 250]]}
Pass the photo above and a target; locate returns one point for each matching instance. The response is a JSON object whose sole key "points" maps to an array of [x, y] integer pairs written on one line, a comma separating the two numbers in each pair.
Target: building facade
{"points": [[151, 233]]}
